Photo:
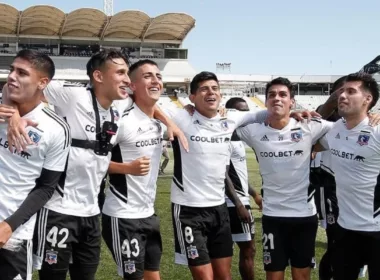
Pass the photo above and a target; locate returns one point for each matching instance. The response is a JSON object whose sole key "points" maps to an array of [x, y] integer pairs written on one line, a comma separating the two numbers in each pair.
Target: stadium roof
{"points": [[43, 20]]}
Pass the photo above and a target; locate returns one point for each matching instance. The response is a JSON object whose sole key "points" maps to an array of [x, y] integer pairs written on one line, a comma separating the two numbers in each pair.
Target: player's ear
{"points": [[368, 99], [292, 103], [132, 86], [97, 75], [43, 82], [192, 97]]}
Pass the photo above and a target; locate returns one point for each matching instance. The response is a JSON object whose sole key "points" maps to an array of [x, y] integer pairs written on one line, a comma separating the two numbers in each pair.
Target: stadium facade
{"points": [[71, 38]]}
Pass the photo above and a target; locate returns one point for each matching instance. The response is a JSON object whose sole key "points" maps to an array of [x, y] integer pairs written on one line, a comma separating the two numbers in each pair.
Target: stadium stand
{"points": [[62, 36]]}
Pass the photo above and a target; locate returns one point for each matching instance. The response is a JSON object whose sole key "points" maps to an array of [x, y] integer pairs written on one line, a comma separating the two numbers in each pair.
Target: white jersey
{"points": [[355, 160], [238, 172], [19, 171], [284, 162], [326, 162], [133, 196], [199, 174], [78, 191]]}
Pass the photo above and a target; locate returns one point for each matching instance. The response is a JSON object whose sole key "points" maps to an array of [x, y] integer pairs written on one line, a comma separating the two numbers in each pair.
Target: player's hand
{"points": [[139, 167], [190, 109], [17, 135], [6, 112], [374, 119], [302, 115], [174, 131], [243, 214], [5, 233], [222, 111], [259, 201]]}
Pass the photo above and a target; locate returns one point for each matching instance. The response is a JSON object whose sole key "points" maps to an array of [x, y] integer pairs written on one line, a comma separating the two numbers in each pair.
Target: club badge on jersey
{"points": [[34, 136], [192, 252], [129, 267], [296, 136], [224, 125], [363, 139], [51, 257]]}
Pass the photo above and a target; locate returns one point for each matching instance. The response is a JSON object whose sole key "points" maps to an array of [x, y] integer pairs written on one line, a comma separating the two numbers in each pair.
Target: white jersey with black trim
{"points": [[199, 174], [19, 171], [326, 162], [238, 172], [355, 161], [133, 196], [284, 162], [80, 185]]}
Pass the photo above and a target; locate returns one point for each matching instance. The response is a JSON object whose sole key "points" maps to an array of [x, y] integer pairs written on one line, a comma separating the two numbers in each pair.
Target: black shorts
{"points": [[241, 232], [201, 234], [17, 264], [60, 240], [288, 240], [352, 250], [135, 244]]}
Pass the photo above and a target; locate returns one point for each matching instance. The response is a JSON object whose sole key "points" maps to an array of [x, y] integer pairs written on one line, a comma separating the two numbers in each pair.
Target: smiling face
{"points": [[113, 78], [207, 98], [279, 101], [147, 84]]}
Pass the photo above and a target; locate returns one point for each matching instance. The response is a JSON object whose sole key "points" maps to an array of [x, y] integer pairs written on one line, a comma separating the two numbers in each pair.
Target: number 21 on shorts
{"points": [[268, 241]]}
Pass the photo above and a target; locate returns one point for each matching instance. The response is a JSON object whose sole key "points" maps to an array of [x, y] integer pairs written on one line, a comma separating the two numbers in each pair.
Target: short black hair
{"points": [[368, 84], [40, 61], [280, 81], [140, 63], [201, 77], [338, 84], [231, 103], [99, 59]]}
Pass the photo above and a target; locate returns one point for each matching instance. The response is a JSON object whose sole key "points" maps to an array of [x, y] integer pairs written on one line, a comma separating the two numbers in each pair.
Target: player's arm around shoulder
{"points": [[58, 140], [63, 94]]}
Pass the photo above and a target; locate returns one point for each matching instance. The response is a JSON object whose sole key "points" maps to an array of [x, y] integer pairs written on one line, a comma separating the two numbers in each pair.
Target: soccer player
{"points": [[242, 233], [327, 189], [165, 154], [283, 150], [131, 229], [200, 217], [67, 235], [28, 178], [355, 157]]}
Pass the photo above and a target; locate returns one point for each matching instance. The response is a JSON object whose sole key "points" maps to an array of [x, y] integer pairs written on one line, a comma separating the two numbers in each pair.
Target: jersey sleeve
{"points": [[58, 149], [244, 118], [246, 134], [59, 93], [324, 141], [122, 105], [319, 128], [173, 113]]}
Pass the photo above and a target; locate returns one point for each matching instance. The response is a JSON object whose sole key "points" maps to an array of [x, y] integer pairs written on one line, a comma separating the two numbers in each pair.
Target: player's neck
{"points": [[207, 114], [279, 123], [147, 109], [26, 108], [353, 121], [103, 100]]}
